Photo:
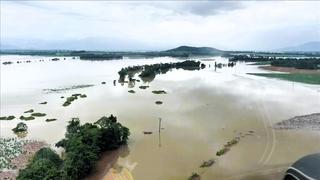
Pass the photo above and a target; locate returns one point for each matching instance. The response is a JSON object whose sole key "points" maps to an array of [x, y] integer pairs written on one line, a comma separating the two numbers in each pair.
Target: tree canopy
{"points": [[83, 145]]}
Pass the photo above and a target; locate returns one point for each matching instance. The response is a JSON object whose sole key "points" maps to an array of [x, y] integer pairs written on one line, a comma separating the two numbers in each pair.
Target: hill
{"points": [[194, 50]]}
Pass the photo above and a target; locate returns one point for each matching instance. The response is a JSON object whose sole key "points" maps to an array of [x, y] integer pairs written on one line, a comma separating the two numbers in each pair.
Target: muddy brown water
{"points": [[202, 111]]}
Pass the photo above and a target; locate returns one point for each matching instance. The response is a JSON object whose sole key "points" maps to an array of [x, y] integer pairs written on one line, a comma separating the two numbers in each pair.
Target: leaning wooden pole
{"points": [[159, 132]]}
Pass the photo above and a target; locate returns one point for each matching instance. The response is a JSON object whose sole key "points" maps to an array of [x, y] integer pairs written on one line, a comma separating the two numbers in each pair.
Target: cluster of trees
{"points": [[129, 71], [150, 71], [162, 68], [299, 63], [83, 144], [249, 58], [105, 56], [302, 63], [21, 127]]}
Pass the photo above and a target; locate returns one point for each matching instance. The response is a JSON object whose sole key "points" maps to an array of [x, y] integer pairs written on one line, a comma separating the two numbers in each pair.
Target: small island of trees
{"points": [[150, 71], [83, 145]]}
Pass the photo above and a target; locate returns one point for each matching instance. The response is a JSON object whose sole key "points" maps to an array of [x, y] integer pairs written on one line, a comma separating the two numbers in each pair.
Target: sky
{"points": [[144, 25]]}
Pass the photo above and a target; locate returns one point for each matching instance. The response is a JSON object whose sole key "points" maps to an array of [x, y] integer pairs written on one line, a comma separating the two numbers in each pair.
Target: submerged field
{"points": [[203, 112]]}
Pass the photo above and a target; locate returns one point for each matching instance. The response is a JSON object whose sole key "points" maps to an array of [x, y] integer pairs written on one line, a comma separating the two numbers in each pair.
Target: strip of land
{"points": [[295, 77], [310, 122]]}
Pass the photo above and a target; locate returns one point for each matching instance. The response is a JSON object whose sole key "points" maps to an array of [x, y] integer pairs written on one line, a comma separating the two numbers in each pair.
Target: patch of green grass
{"points": [[295, 77]]}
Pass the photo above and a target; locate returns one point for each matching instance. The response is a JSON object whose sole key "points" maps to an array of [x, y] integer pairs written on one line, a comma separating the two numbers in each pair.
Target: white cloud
{"points": [[233, 25]]}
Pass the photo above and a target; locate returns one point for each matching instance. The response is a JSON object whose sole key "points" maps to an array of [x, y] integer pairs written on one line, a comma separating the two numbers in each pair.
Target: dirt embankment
{"points": [[310, 122], [290, 70]]}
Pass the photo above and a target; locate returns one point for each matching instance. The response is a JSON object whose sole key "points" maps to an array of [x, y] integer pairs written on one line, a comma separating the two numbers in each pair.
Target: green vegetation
{"points": [[20, 128], [143, 87], [49, 120], [207, 163], [150, 71], [159, 92], [194, 176], [234, 141], [222, 151], [38, 114], [73, 97], [251, 58], [159, 102], [9, 118], [29, 111], [302, 63], [188, 51], [44, 165], [298, 63], [104, 56], [131, 91], [28, 118], [295, 77], [83, 145]]}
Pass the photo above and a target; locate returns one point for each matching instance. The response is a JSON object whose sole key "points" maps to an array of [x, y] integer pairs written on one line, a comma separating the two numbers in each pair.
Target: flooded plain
{"points": [[201, 112]]}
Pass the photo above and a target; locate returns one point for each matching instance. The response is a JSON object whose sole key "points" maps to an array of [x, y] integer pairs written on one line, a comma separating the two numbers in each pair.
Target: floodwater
{"points": [[203, 110]]}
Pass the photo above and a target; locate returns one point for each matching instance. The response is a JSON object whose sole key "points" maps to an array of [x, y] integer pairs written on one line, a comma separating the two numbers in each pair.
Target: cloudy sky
{"points": [[241, 25]]}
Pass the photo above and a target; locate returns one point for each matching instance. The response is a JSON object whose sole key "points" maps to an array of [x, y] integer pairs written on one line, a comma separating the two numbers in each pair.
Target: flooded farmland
{"points": [[201, 111]]}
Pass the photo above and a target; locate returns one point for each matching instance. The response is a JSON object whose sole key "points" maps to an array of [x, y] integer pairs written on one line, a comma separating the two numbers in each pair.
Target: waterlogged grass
{"points": [[222, 151], [143, 87], [49, 120], [131, 91], [38, 114], [29, 111], [27, 118], [295, 77], [73, 97], [159, 102], [159, 92]]}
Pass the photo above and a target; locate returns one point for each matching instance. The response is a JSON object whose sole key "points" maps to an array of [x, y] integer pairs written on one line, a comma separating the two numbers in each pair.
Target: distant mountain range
{"points": [[116, 44], [313, 46]]}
